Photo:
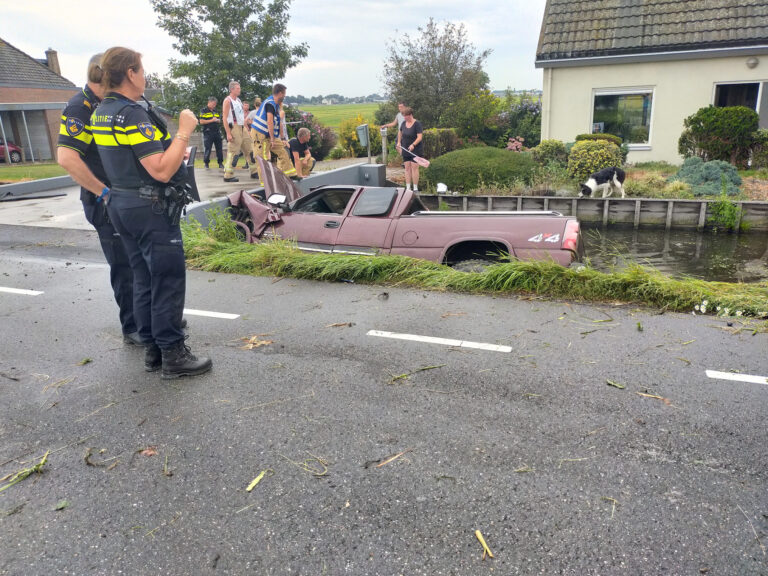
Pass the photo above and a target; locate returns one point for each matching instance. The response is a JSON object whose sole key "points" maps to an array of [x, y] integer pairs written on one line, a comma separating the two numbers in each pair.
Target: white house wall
{"points": [[680, 88]]}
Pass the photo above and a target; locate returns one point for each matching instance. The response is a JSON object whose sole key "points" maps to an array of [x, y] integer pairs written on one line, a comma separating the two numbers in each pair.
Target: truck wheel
{"points": [[476, 265], [15, 157]]}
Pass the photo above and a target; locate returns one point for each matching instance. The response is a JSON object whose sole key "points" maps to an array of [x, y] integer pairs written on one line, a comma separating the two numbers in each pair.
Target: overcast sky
{"points": [[347, 39]]}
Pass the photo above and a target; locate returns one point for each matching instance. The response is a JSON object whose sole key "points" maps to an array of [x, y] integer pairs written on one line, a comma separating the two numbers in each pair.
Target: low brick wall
{"points": [[635, 212]]}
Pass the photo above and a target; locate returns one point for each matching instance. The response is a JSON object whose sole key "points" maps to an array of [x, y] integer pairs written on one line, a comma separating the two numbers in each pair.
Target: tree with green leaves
{"points": [[223, 40], [434, 69]]}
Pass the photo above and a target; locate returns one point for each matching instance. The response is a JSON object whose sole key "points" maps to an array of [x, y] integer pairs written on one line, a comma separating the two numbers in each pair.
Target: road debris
{"points": [[259, 478], [613, 502], [524, 469], [255, 342], [486, 550], [61, 505], [341, 325], [388, 459], [449, 314], [84, 361], [309, 465], [666, 401], [405, 376], [26, 472], [762, 547], [148, 451], [615, 384]]}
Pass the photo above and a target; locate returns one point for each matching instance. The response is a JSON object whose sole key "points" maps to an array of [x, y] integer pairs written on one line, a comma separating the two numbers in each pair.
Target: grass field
{"points": [[25, 172], [333, 115]]}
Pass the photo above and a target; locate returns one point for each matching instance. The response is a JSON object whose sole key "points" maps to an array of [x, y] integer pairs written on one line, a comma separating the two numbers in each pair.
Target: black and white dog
{"points": [[609, 179]]}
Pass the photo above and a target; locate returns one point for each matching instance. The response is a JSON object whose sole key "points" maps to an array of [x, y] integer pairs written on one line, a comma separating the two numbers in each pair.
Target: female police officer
{"points": [[139, 159]]}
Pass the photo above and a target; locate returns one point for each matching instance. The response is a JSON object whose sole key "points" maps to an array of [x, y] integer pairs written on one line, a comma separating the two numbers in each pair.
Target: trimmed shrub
{"points": [[550, 152], [709, 178], [348, 137], [439, 141], [588, 156], [471, 168], [760, 149], [609, 137], [656, 186], [725, 134]]}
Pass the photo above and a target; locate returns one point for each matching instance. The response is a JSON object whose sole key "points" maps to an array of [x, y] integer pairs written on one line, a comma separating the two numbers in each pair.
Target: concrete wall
{"points": [[680, 88]]}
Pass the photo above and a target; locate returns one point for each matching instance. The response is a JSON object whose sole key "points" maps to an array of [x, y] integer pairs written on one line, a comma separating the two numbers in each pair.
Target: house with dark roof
{"points": [[637, 69], [32, 95]]}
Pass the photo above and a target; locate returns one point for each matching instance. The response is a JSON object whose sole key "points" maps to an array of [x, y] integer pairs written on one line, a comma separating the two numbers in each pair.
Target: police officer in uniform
{"points": [[146, 171], [77, 154], [210, 120]]}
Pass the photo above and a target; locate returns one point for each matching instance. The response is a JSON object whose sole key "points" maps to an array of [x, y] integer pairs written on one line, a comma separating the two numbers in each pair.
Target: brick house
{"points": [[638, 69], [32, 95]]}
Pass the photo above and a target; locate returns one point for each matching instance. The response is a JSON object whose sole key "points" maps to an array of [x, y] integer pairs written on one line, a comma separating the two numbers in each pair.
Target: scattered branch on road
{"points": [[615, 384], [259, 478], [25, 473], [486, 550], [613, 503], [308, 465], [84, 361], [560, 464], [753, 529], [310, 394], [58, 384], [405, 376], [382, 462], [341, 325], [666, 401], [449, 314], [255, 342], [152, 532], [102, 463], [524, 469]]}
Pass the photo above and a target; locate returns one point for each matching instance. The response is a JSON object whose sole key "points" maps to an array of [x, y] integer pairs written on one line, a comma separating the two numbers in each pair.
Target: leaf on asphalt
{"points": [[26, 472], [255, 342], [149, 451], [615, 384], [639, 327], [84, 361], [341, 325], [666, 401], [61, 505]]}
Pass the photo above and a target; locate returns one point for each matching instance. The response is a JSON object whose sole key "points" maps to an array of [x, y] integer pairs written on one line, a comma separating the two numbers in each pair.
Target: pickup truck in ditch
{"points": [[376, 220]]}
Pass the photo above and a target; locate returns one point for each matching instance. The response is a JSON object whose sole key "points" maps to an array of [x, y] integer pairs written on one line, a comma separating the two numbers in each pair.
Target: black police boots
{"points": [[153, 360], [178, 360]]}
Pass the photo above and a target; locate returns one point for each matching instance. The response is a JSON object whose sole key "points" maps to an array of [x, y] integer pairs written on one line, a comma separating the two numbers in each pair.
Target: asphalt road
{"points": [[560, 471]]}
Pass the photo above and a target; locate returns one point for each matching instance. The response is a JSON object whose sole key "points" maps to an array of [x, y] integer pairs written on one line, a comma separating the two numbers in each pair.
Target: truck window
{"points": [[416, 205], [326, 202], [375, 202]]}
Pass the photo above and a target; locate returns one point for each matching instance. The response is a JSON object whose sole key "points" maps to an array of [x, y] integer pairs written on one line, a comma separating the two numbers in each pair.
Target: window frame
{"points": [[627, 92], [760, 85]]}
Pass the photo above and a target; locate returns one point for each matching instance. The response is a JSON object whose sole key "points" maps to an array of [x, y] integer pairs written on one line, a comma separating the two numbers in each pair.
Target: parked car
{"points": [[13, 151], [374, 220]]}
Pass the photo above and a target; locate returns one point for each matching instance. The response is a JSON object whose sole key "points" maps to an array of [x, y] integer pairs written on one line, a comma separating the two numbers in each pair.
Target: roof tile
{"points": [[18, 69]]}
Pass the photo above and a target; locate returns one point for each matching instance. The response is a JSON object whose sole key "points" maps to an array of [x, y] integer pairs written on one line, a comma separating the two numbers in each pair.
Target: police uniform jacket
{"points": [[75, 133], [212, 128], [124, 134]]}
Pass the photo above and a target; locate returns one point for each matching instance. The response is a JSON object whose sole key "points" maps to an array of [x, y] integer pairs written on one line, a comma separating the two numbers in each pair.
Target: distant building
{"points": [[32, 95], [638, 69]]}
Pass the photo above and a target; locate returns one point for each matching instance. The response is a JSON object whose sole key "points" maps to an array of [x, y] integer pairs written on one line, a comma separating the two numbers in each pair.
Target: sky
{"points": [[348, 39]]}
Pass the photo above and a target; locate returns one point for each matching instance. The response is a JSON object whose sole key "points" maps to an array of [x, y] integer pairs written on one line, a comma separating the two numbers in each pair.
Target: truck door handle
{"points": [[331, 224]]}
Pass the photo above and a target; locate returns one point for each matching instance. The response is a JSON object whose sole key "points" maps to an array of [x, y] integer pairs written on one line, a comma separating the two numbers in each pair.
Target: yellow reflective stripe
{"points": [[206, 116], [107, 139], [84, 136], [289, 172]]}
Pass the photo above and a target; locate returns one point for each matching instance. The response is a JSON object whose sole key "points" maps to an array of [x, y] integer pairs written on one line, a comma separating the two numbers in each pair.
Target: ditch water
{"points": [[704, 255]]}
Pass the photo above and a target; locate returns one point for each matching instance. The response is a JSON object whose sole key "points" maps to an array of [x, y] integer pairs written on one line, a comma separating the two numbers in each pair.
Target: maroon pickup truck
{"points": [[368, 220]]}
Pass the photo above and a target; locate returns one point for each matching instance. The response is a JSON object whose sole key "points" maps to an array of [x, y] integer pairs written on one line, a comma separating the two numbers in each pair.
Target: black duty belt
{"points": [[145, 192]]}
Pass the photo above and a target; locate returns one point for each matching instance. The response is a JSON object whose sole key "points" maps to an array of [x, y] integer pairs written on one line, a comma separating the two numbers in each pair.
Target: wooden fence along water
{"points": [[635, 212]]}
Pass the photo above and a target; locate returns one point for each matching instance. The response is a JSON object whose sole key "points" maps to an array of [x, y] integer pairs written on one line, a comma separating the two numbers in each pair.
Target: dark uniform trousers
{"points": [[212, 138], [120, 273], [156, 254]]}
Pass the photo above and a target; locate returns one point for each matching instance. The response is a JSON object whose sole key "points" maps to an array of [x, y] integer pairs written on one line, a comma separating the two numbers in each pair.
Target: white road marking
{"points": [[738, 377], [206, 313], [20, 291], [443, 341]]}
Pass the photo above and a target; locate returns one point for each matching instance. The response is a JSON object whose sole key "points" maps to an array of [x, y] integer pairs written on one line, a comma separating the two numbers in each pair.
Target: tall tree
{"points": [[224, 40], [434, 69]]}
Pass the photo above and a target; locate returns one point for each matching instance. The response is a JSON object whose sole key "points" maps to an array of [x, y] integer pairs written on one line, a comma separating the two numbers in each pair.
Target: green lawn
{"points": [[333, 115], [25, 172]]}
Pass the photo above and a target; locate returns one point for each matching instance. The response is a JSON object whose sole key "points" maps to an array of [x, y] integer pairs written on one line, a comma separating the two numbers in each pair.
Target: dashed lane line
{"points": [[20, 291], [208, 314], [442, 341], [737, 377]]}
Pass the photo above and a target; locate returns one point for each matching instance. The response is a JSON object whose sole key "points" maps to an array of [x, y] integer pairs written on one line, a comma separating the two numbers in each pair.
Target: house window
{"points": [[753, 95], [624, 114]]}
